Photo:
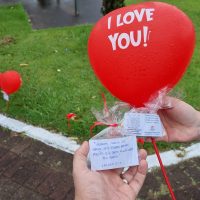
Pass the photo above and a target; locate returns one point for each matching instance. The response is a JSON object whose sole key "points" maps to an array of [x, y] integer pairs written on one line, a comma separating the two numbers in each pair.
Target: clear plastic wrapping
{"points": [[113, 117]]}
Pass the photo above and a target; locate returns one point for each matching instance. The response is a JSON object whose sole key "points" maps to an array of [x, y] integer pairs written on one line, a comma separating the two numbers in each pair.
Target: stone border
{"points": [[174, 156], [52, 139], [68, 145]]}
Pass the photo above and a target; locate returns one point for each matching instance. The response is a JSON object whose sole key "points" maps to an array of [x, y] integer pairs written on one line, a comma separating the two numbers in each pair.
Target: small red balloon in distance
{"points": [[0, 79], [10, 82], [137, 50]]}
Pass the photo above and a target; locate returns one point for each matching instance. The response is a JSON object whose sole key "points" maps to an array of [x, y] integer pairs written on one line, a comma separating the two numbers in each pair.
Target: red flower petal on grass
{"points": [[70, 115], [140, 140]]}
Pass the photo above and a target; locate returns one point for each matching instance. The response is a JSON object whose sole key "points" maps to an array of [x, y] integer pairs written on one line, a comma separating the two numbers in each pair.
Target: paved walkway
{"points": [[31, 170], [184, 178], [58, 13]]}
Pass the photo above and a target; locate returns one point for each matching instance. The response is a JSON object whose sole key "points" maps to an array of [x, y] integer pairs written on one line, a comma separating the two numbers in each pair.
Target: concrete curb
{"points": [[52, 139], [68, 145]]}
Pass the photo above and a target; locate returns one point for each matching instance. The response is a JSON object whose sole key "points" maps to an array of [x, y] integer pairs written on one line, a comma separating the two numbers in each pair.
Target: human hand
{"points": [[181, 121], [107, 184]]}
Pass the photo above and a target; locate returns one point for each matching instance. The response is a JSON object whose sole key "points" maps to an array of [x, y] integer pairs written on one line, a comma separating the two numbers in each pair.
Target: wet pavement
{"points": [[184, 178], [32, 170], [59, 13]]}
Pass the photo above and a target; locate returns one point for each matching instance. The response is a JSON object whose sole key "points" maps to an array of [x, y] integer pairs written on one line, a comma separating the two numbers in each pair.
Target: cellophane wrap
{"points": [[109, 117], [115, 115]]}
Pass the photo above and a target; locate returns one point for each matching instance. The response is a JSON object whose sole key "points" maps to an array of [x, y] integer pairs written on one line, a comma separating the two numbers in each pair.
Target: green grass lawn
{"points": [[58, 78]]}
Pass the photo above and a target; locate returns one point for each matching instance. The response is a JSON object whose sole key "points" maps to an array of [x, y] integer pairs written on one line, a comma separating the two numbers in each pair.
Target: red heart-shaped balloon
{"points": [[137, 50]]}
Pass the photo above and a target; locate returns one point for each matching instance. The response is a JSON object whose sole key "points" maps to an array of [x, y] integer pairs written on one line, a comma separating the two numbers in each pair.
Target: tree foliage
{"points": [[110, 5]]}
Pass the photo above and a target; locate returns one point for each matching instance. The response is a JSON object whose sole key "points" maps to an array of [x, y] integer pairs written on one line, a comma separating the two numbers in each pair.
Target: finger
{"points": [[163, 118], [164, 139], [142, 154], [115, 172], [130, 173], [138, 180], [167, 102], [118, 171], [80, 158]]}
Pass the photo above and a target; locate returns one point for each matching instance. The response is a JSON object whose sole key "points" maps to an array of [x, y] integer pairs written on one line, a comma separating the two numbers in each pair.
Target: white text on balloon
{"points": [[130, 17], [134, 38]]}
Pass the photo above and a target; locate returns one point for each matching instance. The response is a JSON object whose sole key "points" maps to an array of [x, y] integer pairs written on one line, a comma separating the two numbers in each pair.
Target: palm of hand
{"points": [[180, 122], [108, 185]]}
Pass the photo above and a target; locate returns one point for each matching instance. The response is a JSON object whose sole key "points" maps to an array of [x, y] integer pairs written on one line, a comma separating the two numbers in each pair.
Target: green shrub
{"points": [[110, 5]]}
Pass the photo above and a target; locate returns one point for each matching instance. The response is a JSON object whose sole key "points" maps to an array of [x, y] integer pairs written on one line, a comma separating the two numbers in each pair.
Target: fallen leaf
{"points": [[23, 65]]}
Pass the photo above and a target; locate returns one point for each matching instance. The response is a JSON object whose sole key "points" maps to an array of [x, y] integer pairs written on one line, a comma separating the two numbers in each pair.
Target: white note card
{"points": [[143, 124], [113, 153]]}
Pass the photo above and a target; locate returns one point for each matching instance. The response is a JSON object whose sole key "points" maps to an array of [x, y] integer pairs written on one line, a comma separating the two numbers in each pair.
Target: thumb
{"points": [[80, 158], [164, 138], [168, 102]]}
